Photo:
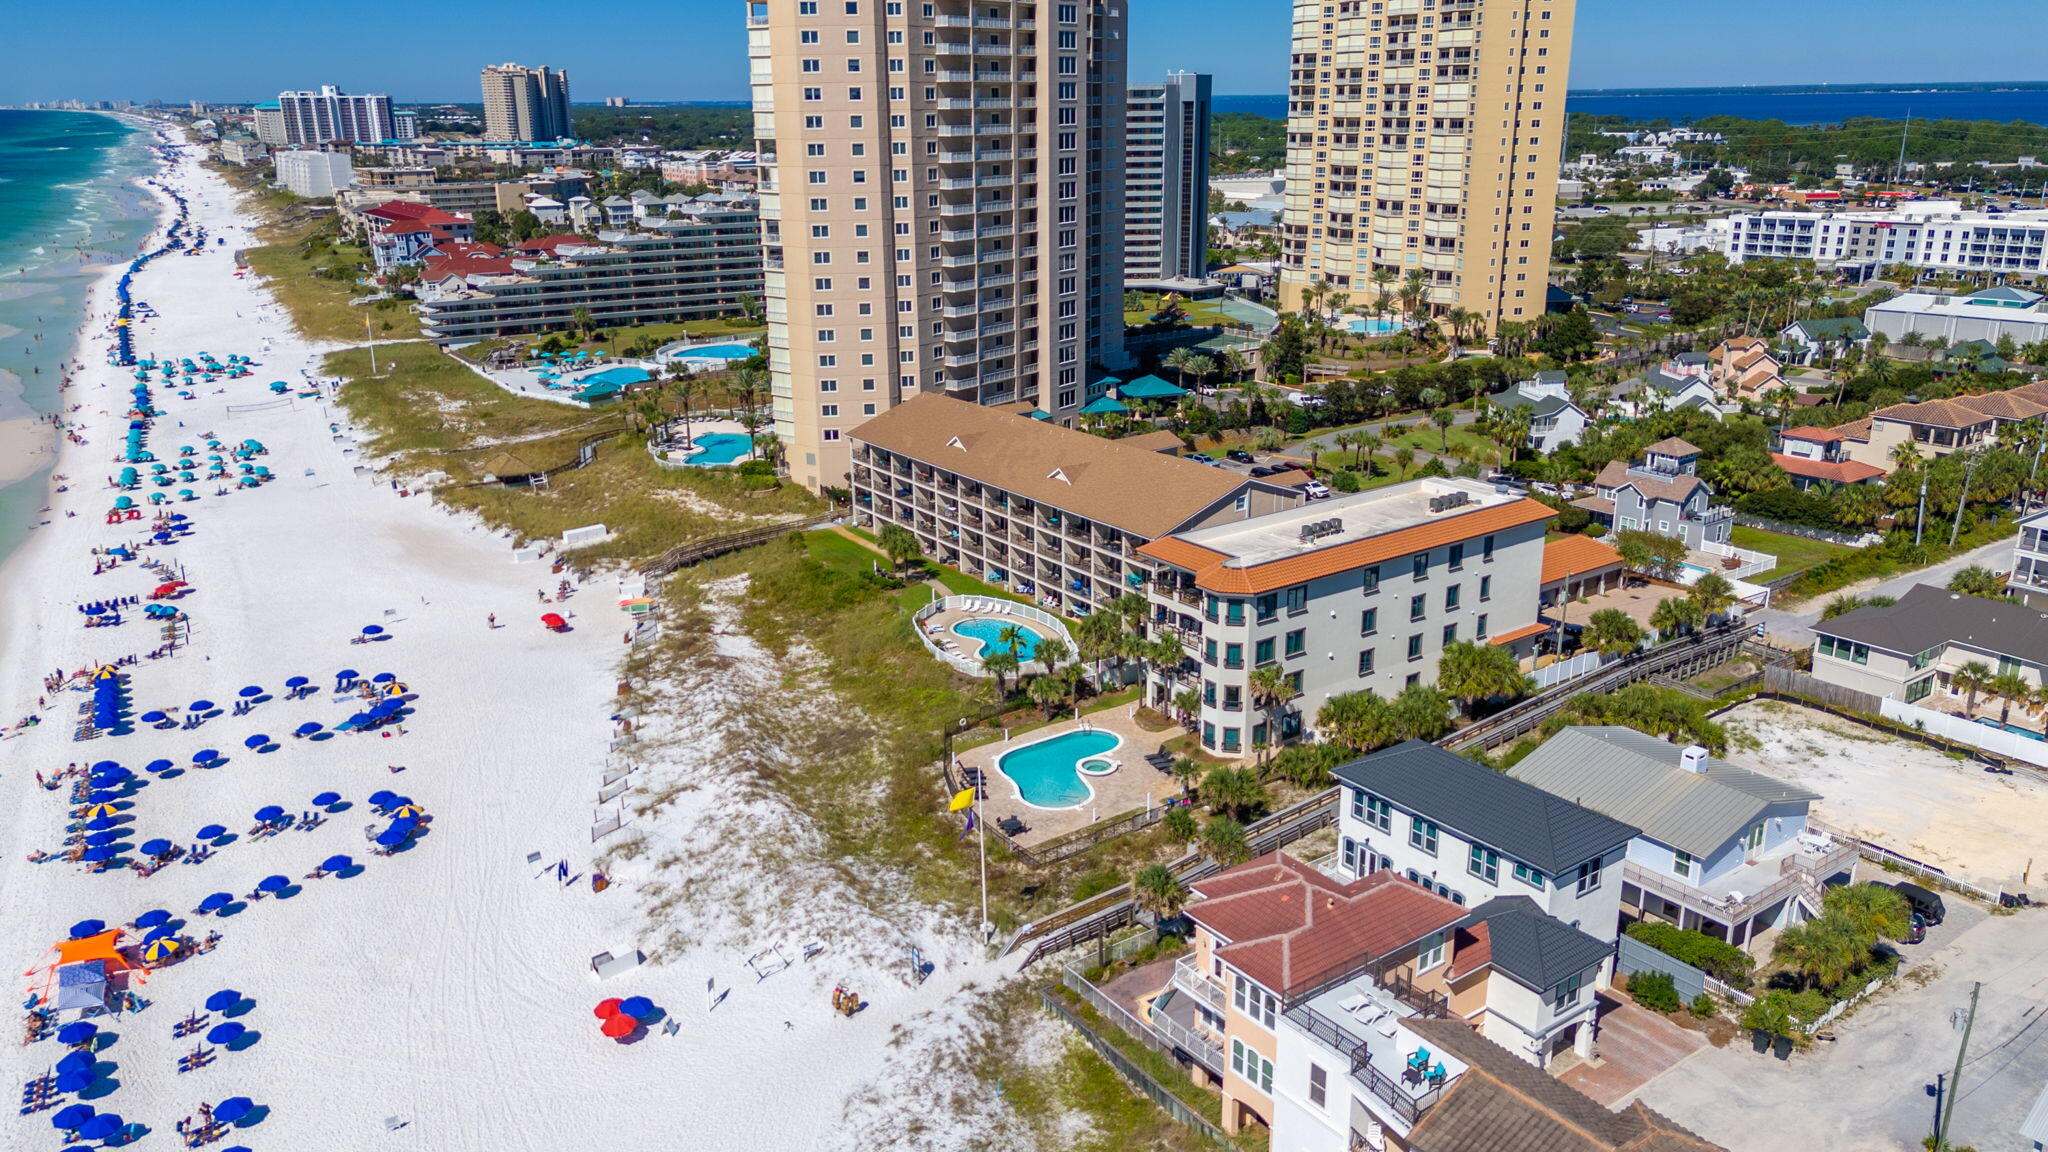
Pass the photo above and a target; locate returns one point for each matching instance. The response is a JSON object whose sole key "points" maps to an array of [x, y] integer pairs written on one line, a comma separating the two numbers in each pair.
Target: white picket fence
{"points": [[1563, 670], [1994, 740]]}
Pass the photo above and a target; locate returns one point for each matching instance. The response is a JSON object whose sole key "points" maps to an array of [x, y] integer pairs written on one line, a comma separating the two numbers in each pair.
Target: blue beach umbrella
{"points": [[205, 756], [157, 847], [396, 834], [69, 1118], [382, 796], [326, 798], [336, 864], [157, 766], [101, 824], [383, 678], [257, 741], [269, 812], [638, 1007], [250, 690], [297, 682], [223, 1000], [212, 832], [201, 706], [226, 1033], [77, 1032], [273, 884], [306, 729], [74, 1082], [110, 837], [75, 1062], [373, 630], [155, 916], [232, 1109], [101, 854], [347, 674], [215, 903], [103, 796], [106, 766], [101, 1126], [85, 928]]}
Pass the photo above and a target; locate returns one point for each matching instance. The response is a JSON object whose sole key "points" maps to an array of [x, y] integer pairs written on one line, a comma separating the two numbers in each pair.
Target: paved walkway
{"points": [[1795, 628]]}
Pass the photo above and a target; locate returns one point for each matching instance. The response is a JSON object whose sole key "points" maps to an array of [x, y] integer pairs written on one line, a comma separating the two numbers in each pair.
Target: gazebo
{"points": [[1150, 388], [1107, 406]]}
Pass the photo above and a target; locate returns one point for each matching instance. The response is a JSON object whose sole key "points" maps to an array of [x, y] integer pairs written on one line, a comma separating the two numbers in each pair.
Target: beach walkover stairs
{"points": [[698, 551]]}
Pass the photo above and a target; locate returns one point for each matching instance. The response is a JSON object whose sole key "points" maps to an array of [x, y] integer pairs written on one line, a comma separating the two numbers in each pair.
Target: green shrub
{"points": [[1095, 883], [1344, 481], [1654, 990], [1181, 825], [1703, 1006], [1717, 958]]}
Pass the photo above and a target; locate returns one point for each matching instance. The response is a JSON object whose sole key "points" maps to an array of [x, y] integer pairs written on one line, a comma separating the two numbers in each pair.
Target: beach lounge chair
{"points": [[1353, 1003]]}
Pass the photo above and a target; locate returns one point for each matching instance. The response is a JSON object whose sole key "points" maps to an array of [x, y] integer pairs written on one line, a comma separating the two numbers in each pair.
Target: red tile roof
{"points": [[1846, 472], [413, 210], [468, 248], [1287, 925], [442, 267], [549, 243]]}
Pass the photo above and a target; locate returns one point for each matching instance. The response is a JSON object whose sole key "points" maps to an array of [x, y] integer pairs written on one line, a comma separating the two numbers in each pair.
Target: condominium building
{"points": [[941, 200], [313, 174], [694, 265], [1166, 179], [1046, 511], [1359, 592], [1423, 136], [523, 103], [331, 115], [266, 121], [1934, 234]]}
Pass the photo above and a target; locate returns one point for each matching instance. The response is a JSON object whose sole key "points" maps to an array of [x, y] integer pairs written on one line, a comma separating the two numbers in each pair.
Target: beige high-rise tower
{"points": [[1423, 136], [525, 103], [941, 206]]}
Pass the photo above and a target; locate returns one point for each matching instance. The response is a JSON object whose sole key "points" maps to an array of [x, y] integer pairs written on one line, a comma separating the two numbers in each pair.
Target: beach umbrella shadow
{"points": [[341, 806], [254, 1116], [102, 1086], [288, 891], [127, 1135], [235, 908], [267, 748], [319, 736], [225, 839], [349, 873], [245, 1041], [171, 773]]}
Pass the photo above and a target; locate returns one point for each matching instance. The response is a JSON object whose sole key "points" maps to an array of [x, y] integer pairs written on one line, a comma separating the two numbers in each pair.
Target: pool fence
{"points": [[991, 606]]}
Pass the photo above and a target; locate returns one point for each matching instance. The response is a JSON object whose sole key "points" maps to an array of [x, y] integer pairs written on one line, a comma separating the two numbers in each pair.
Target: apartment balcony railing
{"points": [[1190, 979], [1794, 873], [1406, 1104]]}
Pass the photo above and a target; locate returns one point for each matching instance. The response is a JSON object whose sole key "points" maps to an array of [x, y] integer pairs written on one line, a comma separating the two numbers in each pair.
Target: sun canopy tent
{"points": [[82, 985], [1150, 388]]}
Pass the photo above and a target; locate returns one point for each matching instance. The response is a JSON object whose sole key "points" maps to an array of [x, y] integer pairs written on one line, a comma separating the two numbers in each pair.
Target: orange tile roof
{"points": [[1576, 556], [1523, 633], [1935, 414], [1845, 472], [1854, 429], [2005, 405], [1217, 576]]}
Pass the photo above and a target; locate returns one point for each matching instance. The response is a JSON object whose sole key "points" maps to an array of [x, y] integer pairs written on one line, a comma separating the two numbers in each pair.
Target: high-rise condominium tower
{"points": [[330, 115], [1166, 179], [525, 103], [1423, 138], [941, 205]]}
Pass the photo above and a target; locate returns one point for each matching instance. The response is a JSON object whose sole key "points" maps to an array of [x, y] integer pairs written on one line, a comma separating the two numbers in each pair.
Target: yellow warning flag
{"points": [[961, 799]]}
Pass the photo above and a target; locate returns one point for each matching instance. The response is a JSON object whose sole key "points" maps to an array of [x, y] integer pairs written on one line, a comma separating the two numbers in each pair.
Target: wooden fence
{"points": [[698, 551], [1796, 683]]}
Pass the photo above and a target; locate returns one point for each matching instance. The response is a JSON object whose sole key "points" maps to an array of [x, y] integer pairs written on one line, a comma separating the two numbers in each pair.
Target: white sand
{"points": [[446, 985]]}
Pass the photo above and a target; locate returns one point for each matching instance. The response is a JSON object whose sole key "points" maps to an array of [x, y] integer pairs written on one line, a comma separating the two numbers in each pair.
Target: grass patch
{"points": [[1794, 553], [1169, 1075], [431, 413], [618, 341]]}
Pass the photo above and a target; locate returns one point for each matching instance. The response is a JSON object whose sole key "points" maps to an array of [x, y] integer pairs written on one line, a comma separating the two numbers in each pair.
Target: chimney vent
{"points": [[1693, 759]]}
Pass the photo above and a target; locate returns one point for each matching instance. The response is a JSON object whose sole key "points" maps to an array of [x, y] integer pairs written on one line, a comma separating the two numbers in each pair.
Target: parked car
{"points": [[1240, 455], [1926, 905], [1315, 490], [1202, 458], [1917, 932], [1266, 470], [1307, 399]]}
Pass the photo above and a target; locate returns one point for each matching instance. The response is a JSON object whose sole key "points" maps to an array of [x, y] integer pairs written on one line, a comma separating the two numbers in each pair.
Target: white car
{"points": [[1315, 490]]}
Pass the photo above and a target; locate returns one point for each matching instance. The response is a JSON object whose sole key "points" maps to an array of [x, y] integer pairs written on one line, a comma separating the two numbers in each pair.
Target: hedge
{"points": [[1717, 958]]}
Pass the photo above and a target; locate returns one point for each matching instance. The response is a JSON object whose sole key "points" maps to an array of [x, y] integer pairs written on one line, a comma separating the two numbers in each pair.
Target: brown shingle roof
{"points": [[1817, 435], [1854, 429], [1217, 576], [1934, 413], [1501, 1103], [1139, 491], [1287, 925], [1576, 556], [1159, 441], [1673, 446], [2004, 405], [1676, 489]]}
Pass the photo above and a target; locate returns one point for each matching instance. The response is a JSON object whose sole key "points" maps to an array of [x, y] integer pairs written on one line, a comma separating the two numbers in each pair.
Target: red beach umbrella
{"points": [[554, 621], [606, 1009], [619, 1026]]}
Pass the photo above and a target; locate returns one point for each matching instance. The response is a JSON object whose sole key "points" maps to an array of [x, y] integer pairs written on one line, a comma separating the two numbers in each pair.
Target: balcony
{"points": [[1190, 979], [1755, 887]]}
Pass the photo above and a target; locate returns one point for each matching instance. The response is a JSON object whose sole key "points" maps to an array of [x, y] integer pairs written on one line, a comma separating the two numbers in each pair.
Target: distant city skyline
{"points": [[248, 53]]}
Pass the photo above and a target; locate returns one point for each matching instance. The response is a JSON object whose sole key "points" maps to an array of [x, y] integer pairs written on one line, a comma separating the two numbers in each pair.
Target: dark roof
{"points": [[1537, 405], [1927, 617], [1502, 1103], [1533, 946], [1521, 820], [1839, 328]]}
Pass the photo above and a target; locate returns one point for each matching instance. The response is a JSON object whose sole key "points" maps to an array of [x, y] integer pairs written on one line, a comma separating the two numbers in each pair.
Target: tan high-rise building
{"points": [[523, 103], [1423, 136], [941, 205]]}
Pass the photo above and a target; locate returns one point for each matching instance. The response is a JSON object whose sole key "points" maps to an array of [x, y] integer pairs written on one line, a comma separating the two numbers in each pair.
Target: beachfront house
{"points": [[1048, 512], [1359, 592], [1661, 493], [1912, 649], [1554, 419], [1805, 341], [1813, 456], [1721, 849]]}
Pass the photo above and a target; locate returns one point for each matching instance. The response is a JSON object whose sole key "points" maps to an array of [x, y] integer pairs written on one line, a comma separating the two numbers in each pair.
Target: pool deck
{"points": [[1134, 785], [701, 427], [940, 625]]}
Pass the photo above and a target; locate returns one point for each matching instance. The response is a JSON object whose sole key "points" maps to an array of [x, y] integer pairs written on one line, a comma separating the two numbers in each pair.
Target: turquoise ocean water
{"points": [[69, 202]]}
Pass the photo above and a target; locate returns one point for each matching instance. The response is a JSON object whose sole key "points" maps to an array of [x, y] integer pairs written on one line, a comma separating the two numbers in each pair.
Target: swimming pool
{"points": [[987, 629], [719, 448], [1376, 326], [716, 352], [1047, 774]]}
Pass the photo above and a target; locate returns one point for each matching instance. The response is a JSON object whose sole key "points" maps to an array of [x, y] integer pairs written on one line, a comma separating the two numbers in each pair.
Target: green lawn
{"points": [[1428, 438], [1794, 553]]}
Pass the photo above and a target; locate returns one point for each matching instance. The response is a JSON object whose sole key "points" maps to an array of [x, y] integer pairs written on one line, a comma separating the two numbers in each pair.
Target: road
{"points": [[1876, 1085], [1796, 627]]}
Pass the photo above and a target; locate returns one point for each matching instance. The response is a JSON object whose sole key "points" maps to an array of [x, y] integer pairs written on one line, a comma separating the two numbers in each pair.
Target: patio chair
{"points": [[1353, 1003], [1419, 1058], [1437, 1075]]}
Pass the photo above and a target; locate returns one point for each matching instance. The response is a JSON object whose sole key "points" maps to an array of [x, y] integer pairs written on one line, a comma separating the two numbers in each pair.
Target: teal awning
{"points": [[1107, 406], [1150, 388], [1039, 414]]}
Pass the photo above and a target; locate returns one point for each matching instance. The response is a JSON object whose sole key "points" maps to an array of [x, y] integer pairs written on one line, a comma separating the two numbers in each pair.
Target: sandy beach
{"points": [[448, 985]]}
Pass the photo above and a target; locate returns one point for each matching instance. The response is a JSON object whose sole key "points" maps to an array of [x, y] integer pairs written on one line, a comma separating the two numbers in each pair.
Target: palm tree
{"points": [[1972, 678], [1443, 418], [1186, 769], [1713, 594], [1177, 361], [2008, 688], [1383, 279], [1223, 841], [1232, 791], [1610, 632], [1054, 653], [1405, 457], [1421, 712], [1976, 580], [899, 544], [1049, 693], [750, 307], [1362, 720], [999, 663], [1187, 704], [1822, 950], [579, 318], [1842, 605], [1675, 616], [1012, 637], [1271, 687], [1156, 891], [1371, 443], [1878, 911], [1474, 672]]}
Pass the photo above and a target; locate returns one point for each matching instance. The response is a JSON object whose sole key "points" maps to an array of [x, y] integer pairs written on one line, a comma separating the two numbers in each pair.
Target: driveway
{"points": [[1875, 1086], [1636, 1046], [1795, 628]]}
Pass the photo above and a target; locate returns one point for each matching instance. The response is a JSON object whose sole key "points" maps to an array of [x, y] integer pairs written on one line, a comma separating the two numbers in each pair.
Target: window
{"points": [[1567, 994], [1268, 607], [1422, 565], [1681, 864], [1919, 689], [1432, 953], [1453, 596], [1262, 652], [1365, 662], [1485, 589], [1297, 642], [1422, 834], [1479, 627], [1450, 635], [1255, 1069], [1415, 647], [1418, 607], [1297, 600], [1457, 557], [1318, 1086], [1484, 863], [1529, 876], [1371, 577], [1486, 550], [1258, 1005], [1589, 876], [1755, 839], [1369, 622], [1845, 650]]}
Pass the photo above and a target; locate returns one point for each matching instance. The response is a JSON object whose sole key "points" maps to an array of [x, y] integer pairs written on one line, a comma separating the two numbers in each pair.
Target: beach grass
{"points": [[430, 413], [1794, 553]]}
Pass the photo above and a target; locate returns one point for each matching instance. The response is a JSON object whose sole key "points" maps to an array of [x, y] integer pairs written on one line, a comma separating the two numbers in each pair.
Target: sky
{"points": [[240, 50]]}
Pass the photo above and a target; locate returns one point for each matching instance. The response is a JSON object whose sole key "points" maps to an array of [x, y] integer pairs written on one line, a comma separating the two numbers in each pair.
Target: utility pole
{"points": [[1969, 470], [1899, 171], [1948, 1102], [1920, 521]]}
